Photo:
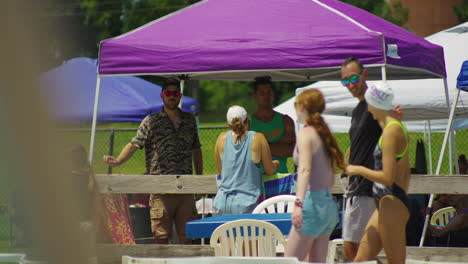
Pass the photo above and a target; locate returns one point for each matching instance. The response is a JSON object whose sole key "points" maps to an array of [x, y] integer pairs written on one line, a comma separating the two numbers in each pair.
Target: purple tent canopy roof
{"points": [[293, 40]]}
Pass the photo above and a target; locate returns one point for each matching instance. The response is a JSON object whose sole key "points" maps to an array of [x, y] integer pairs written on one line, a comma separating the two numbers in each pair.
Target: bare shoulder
{"points": [[222, 136], [308, 132], [259, 138], [287, 119], [394, 131]]}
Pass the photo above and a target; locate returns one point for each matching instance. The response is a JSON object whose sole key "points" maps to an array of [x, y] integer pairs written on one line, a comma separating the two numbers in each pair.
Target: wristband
{"points": [[298, 203]]}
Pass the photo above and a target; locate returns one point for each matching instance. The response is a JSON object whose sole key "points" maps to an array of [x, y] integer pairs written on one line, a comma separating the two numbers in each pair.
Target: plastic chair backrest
{"points": [[11, 257], [246, 237], [411, 261], [219, 260], [276, 204], [443, 216]]}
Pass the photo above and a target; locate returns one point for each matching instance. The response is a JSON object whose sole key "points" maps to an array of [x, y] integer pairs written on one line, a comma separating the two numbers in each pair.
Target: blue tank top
{"points": [[240, 178]]}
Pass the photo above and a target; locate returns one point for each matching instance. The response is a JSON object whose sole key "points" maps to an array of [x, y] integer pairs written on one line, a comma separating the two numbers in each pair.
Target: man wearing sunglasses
{"points": [[364, 134], [171, 143]]}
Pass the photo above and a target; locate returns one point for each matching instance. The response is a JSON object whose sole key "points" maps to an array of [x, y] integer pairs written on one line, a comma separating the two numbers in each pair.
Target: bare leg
{"points": [[392, 219], [350, 250], [371, 243], [298, 245], [318, 252]]}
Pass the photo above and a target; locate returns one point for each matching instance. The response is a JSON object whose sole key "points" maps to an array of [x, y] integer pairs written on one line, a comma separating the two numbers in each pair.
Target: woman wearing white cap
{"points": [[386, 227], [238, 155]]}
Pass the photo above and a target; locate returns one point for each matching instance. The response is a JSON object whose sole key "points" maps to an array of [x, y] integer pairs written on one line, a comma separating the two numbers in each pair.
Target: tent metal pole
{"points": [[182, 84], [429, 140], [384, 73], [441, 157], [454, 148], [93, 126]]}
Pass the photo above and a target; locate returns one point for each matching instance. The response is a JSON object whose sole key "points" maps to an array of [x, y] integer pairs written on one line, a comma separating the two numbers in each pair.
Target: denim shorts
{"points": [[319, 213]]}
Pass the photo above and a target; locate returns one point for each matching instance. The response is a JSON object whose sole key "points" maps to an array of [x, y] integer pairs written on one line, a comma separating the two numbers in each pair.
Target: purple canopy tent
{"points": [[242, 39], [238, 40]]}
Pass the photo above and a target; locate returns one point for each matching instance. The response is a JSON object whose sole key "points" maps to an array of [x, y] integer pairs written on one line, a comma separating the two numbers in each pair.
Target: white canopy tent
{"points": [[342, 123], [421, 99]]}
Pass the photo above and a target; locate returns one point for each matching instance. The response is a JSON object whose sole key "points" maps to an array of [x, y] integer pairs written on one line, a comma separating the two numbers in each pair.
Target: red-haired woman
{"points": [[315, 213]]}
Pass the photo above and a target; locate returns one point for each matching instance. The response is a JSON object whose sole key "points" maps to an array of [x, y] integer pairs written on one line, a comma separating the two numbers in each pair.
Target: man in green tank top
{"points": [[278, 128]]}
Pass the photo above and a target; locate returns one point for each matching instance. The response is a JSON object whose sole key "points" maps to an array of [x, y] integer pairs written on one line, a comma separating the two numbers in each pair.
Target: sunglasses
{"points": [[353, 79], [171, 93]]}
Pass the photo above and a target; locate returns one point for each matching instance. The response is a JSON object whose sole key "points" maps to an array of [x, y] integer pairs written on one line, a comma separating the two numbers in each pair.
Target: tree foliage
{"points": [[115, 17], [111, 18], [462, 11]]}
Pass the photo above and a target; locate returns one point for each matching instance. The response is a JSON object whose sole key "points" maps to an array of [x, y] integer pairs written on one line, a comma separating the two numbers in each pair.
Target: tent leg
{"points": [[384, 73], [454, 150], [429, 140], [182, 86], [93, 126], [439, 163]]}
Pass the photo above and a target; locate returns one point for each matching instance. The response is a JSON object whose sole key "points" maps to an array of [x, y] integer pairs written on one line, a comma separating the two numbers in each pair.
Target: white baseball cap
{"points": [[380, 95], [236, 111]]}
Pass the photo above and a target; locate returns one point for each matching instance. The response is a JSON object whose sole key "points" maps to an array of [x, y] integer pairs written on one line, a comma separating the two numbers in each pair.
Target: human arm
{"points": [[218, 152], [285, 146], [198, 160], [460, 221], [125, 154], [269, 166], [346, 155], [390, 144]]}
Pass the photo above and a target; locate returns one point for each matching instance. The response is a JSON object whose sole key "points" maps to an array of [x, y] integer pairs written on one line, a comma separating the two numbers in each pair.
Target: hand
{"points": [[352, 170], [397, 112], [111, 161], [296, 218], [276, 163], [435, 231]]}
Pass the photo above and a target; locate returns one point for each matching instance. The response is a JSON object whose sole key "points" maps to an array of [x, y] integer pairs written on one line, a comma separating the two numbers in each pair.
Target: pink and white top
{"points": [[322, 175]]}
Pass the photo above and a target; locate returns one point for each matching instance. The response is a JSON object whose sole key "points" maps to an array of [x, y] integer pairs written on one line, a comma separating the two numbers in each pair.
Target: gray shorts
{"points": [[358, 211]]}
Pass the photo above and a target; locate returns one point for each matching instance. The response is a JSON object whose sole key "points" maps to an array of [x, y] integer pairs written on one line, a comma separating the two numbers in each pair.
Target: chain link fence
{"points": [[111, 142]]}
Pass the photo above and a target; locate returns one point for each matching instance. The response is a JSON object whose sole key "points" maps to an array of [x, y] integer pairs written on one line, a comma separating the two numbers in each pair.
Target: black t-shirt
{"points": [[364, 134]]}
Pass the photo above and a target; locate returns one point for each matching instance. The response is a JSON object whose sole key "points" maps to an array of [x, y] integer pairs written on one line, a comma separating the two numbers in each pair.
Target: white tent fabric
{"points": [[420, 99], [341, 124]]}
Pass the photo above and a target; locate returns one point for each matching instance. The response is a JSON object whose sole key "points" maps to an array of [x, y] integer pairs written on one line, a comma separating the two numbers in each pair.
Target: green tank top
{"points": [[273, 132]]}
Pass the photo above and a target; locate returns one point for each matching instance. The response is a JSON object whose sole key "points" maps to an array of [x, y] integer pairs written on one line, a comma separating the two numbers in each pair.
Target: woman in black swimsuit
{"points": [[386, 227]]}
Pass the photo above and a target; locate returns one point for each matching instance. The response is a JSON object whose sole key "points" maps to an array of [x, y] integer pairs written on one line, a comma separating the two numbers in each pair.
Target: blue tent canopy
{"points": [[462, 79], [70, 91]]}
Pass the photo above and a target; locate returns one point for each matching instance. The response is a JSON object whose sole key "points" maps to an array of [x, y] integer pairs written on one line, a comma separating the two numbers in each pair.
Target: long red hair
{"points": [[314, 102]]}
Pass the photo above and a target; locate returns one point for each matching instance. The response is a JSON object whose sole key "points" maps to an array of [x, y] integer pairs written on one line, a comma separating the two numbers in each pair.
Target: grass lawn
{"points": [[208, 138]]}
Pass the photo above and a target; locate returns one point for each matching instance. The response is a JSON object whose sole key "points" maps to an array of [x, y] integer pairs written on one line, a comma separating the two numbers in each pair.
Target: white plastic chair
{"points": [[276, 204], [211, 260], [411, 261], [25, 261], [12, 257], [442, 216], [246, 237], [332, 246]]}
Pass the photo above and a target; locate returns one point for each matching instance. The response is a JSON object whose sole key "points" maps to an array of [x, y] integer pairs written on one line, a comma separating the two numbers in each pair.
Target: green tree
{"points": [[115, 17], [462, 11], [395, 13], [111, 18]]}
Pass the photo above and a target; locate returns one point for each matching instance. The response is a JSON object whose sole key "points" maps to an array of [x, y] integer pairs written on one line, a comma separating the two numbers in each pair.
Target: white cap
{"points": [[236, 111], [380, 95]]}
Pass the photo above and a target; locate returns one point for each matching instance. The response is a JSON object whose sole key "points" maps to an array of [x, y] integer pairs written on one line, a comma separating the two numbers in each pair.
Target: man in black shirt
{"points": [[364, 134]]}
